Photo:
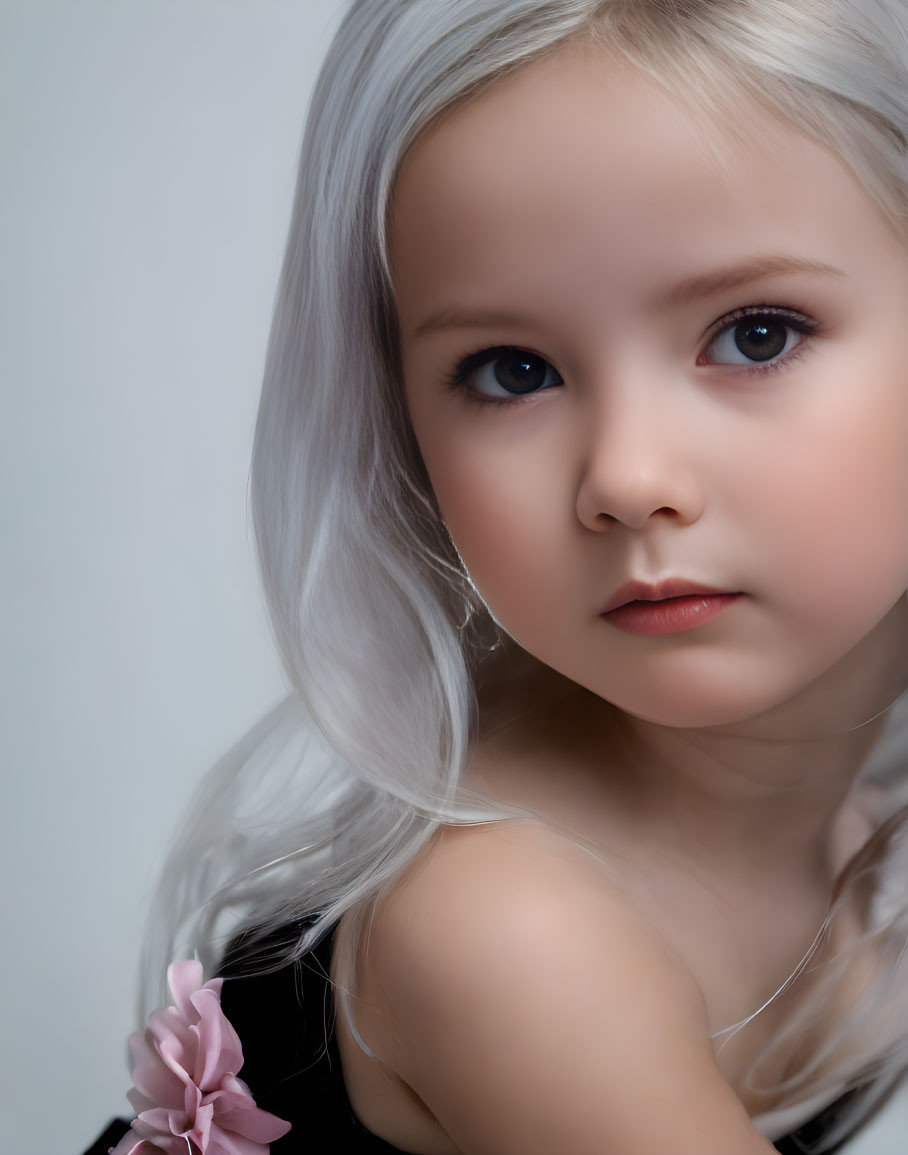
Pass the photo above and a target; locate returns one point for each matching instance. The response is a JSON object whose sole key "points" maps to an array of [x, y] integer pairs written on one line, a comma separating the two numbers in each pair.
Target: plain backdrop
{"points": [[147, 159], [148, 152]]}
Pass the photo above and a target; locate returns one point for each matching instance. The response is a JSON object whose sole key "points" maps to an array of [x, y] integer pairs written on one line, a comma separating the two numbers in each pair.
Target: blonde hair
{"points": [[322, 806]]}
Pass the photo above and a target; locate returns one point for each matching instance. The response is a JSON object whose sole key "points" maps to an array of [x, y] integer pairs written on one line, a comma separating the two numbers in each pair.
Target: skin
{"points": [[713, 770], [660, 455]]}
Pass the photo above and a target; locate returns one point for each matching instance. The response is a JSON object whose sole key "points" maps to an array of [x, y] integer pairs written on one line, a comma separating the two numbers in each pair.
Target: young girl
{"points": [[579, 488]]}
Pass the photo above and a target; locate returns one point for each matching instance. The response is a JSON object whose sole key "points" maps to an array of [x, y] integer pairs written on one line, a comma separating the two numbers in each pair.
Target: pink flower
{"points": [[188, 1098]]}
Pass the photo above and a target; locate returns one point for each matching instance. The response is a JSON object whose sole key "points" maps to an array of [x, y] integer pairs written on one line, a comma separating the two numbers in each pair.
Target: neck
{"points": [[766, 799], [748, 804], [770, 793]]}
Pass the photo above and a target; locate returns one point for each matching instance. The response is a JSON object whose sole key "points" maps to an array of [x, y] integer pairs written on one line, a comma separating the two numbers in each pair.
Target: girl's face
{"points": [[626, 360]]}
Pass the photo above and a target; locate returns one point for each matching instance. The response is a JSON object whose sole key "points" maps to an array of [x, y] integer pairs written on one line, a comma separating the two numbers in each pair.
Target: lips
{"points": [[635, 591]]}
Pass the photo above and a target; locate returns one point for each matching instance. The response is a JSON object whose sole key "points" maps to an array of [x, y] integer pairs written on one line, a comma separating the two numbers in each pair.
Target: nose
{"points": [[638, 464]]}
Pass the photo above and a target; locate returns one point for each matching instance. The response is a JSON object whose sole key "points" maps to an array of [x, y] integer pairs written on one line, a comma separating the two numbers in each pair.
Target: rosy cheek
{"points": [[490, 521], [500, 517], [835, 501], [865, 464]]}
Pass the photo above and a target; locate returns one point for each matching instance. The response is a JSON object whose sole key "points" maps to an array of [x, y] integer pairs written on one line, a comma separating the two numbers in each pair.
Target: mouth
{"points": [[669, 589], [669, 607]]}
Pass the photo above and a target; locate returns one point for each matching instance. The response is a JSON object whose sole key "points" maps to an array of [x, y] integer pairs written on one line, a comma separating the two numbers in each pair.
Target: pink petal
{"points": [[159, 1122], [184, 979], [231, 1085], [232, 1095], [168, 1023], [258, 1125], [160, 1138], [188, 1098], [169, 1144], [138, 1102], [130, 1144], [214, 985], [174, 1039], [177, 1059], [219, 1051], [235, 1110], [202, 1125], [152, 1077]]}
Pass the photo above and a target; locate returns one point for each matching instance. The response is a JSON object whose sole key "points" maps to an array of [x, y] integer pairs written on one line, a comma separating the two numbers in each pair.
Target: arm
{"points": [[534, 1010]]}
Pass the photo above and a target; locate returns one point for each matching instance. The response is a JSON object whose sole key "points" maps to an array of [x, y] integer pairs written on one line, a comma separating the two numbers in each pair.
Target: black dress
{"points": [[292, 1064]]}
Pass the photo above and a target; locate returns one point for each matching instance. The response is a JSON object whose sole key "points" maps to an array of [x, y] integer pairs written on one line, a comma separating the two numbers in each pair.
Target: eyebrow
{"points": [[734, 276], [694, 288]]}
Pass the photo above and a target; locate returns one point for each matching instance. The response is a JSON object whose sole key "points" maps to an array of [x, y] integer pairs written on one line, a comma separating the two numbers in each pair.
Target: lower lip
{"points": [[670, 616]]}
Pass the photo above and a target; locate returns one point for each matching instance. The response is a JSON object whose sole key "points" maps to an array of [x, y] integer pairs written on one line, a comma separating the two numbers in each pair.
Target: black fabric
{"points": [[285, 1021], [109, 1137]]}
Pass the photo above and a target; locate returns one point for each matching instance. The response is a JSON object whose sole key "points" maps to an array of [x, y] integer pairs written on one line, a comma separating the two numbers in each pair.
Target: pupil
{"points": [[760, 341], [520, 373]]}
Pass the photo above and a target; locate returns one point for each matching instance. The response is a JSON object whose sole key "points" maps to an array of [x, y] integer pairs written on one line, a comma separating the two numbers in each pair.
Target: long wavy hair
{"points": [[321, 807]]}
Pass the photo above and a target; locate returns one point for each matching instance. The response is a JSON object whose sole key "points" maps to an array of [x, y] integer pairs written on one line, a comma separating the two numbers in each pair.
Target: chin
{"points": [[693, 716], [690, 703]]}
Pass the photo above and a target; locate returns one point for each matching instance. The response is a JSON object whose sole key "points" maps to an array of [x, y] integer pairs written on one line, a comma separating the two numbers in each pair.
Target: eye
{"points": [[504, 372], [758, 337]]}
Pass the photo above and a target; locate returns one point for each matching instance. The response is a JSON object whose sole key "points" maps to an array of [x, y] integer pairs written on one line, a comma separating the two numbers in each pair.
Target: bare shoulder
{"points": [[509, 883], [532, 1008], [515, 902]]}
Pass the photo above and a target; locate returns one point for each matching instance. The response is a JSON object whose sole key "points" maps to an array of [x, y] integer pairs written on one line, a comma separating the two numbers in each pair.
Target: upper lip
{"points": [[643, 592]]}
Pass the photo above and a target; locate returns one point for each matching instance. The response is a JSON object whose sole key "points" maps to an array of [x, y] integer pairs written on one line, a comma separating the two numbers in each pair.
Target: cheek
{"points": [[832, 508], [503, 484], [505, 513]]}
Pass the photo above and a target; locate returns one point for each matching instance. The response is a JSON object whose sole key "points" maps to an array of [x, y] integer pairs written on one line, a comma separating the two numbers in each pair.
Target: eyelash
{"points": [[795, 319]]}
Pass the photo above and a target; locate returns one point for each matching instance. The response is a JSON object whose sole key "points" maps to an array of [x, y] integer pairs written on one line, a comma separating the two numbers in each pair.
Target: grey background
{"points": [[147, 158]]}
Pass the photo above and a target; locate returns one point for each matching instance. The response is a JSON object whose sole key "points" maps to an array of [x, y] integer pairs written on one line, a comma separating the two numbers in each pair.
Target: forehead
{"points": [[582, 166]]}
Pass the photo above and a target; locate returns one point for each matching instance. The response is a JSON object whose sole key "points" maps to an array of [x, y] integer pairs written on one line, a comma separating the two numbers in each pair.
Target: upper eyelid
{"points": [[793, 318], [784, 312]]}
